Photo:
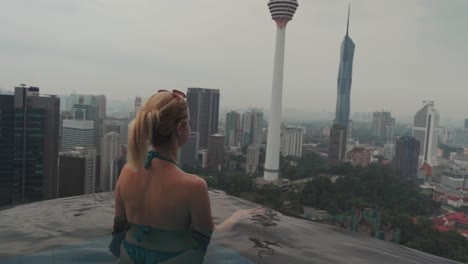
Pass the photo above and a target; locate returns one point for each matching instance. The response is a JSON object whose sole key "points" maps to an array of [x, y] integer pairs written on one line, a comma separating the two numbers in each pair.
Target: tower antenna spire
{"points": [[349, 13]]}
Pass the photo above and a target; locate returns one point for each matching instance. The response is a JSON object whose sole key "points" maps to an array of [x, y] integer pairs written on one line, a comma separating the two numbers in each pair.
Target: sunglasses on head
{"points": [[176, 93]]}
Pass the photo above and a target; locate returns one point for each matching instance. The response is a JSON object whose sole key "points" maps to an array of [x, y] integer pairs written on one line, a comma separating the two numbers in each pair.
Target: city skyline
{"points": [[75, 62]]}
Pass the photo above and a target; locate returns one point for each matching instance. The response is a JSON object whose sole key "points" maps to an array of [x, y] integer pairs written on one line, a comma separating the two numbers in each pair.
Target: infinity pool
{"points": [[77, 230]]}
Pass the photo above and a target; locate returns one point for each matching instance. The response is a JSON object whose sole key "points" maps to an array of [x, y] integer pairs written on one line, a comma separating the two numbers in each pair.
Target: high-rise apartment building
{"points": [[233, 129], [204, 113], [383, 124], [29, 133], [407, 157], [188, 154], [389, 151], [338, 133], [111, 149], [77, 172], [216, 152], [252, 128], [426, 131], [77, 133], [291, 141], [252, 159]]}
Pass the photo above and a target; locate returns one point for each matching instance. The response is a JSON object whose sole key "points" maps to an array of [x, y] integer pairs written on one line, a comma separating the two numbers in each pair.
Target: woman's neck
{"points": [[167, 152]]}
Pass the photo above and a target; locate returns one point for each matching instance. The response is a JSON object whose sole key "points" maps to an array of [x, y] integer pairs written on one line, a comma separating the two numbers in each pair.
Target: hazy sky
{"points": [[406, 50]]}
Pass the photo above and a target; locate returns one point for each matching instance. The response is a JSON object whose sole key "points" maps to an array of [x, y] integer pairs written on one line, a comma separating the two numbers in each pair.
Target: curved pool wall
{"points": [[78, 229]]}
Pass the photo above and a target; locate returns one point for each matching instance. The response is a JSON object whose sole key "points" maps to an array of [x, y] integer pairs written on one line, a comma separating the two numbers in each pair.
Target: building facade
{"points": [[119, 126], [77, 172], [338, 133], [252, 159], [216, 152], [426, 131], [233, 129], [204, 113], [383, 124], [111, 149], [407, 157], [77, 133], [359, 157], [389, 151], [29, 132], [93, 108], [188, 154], [291, 141]]}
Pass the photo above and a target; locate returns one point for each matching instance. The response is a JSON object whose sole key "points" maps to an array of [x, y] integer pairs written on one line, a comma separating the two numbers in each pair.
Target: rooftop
{"points": [[77, 230]]}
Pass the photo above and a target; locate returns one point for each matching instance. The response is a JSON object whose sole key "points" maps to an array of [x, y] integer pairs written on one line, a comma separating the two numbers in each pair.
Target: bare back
{"points": [[161, 196]]}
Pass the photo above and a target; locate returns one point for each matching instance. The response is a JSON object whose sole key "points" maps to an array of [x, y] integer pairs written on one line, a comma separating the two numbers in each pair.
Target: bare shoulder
{"points": [[195, 182], [125, 174]]}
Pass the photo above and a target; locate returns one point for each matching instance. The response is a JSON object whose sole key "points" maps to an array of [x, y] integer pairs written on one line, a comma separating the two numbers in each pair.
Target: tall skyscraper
{"points": [[117, 165], [111, 149], [119, 126], [77, 172], [383, 125], [406, 157], [233, 129], [7, 136], [426, 131], [466, 123], [77, 133], [345, 75], [252, 159], [29, 132], [252, 128], [215, 152], [291, 141], [338, 133], [389, 151], [282, 11], [204, 113], [93, 108], [188, 154]]}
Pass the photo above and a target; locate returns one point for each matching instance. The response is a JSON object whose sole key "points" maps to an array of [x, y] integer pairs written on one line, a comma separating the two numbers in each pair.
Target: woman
{"points": [[163, 212]]}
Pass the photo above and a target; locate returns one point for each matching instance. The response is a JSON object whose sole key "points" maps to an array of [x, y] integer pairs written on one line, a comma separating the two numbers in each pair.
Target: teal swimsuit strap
{"points": [[155, 155]]}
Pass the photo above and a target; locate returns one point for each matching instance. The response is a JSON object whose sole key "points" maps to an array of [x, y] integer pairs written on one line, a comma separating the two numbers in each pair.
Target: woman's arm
{"points": [[120, 221]]}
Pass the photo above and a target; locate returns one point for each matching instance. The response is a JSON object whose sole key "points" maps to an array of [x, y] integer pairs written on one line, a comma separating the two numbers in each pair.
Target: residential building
{"points": [[252, 128], [383, 124], [359, 157], [252, 159], [389, 151], [291, 141], [233, 129]]}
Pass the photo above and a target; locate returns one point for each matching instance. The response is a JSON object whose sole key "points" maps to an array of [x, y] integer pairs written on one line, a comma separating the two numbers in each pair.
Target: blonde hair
{"points": [[154, 124]]}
